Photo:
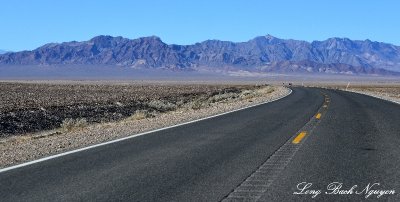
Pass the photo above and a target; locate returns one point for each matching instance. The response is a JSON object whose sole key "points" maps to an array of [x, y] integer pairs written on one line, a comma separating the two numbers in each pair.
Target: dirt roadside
{"points": [[22, 148]]}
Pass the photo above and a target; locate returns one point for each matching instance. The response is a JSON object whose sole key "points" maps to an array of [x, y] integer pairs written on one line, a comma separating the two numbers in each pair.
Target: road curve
{"points": [[356, 141], [202, 161]]}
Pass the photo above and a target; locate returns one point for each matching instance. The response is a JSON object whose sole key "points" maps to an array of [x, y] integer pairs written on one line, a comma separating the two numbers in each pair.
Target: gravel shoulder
{"points": [[29, 146], [390, 94], [389, 91]]}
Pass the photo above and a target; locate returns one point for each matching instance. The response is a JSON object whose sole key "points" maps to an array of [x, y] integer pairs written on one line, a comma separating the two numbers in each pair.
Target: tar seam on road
{"points": [[254, 186], [133, 136]]}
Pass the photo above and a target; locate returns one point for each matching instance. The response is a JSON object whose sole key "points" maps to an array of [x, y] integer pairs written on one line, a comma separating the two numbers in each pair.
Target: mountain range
{"points": [[261, 54]]}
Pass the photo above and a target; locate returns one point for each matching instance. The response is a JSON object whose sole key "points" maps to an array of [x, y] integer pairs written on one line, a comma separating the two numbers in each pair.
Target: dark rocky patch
{"points": [[30, 107]]}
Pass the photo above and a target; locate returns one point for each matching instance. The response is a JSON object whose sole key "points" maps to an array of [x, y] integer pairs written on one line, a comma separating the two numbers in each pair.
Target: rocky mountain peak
{"points": [[266, 53]]}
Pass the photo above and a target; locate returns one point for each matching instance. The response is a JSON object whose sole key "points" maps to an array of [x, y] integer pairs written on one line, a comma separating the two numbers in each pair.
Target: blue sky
{"points": [[27, 24]]}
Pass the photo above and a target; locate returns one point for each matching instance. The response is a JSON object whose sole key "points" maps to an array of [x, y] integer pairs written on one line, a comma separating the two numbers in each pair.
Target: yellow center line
{"points": [[299, 137], [318, 116]]}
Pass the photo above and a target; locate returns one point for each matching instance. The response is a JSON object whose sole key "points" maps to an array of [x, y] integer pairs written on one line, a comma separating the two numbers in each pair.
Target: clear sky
{"points": [[27, 24]]}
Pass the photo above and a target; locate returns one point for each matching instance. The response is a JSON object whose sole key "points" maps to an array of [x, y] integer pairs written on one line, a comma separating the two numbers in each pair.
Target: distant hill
{"points": [[261, 54], [3, 51]]}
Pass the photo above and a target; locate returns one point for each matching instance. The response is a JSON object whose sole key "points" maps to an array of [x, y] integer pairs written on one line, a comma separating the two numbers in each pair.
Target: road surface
{"points": [[354, 141]]}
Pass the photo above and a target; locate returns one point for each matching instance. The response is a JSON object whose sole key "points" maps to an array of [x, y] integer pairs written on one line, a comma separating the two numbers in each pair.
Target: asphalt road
{"points": [[355, 142]]}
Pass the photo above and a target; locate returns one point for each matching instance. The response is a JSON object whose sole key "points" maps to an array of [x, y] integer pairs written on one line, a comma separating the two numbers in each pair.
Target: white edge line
{"points": [[132, 136]]}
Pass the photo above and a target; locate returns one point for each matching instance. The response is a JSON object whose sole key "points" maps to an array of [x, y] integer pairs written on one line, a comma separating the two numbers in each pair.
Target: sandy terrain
{"points": [[386, 91], [391, 93]]}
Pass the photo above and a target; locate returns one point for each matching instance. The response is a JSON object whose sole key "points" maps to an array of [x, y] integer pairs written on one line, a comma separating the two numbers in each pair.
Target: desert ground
{"points": [[32, 107], [391, 93], [43, 118], [387, 91]]}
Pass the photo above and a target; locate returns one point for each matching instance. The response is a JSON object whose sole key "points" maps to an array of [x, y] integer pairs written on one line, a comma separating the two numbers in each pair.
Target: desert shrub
{"points": [[162, 105], [248, 94], [180, 103], [69, 124], [196, 104], [141, 114], [221, 97], [267, 90]]}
